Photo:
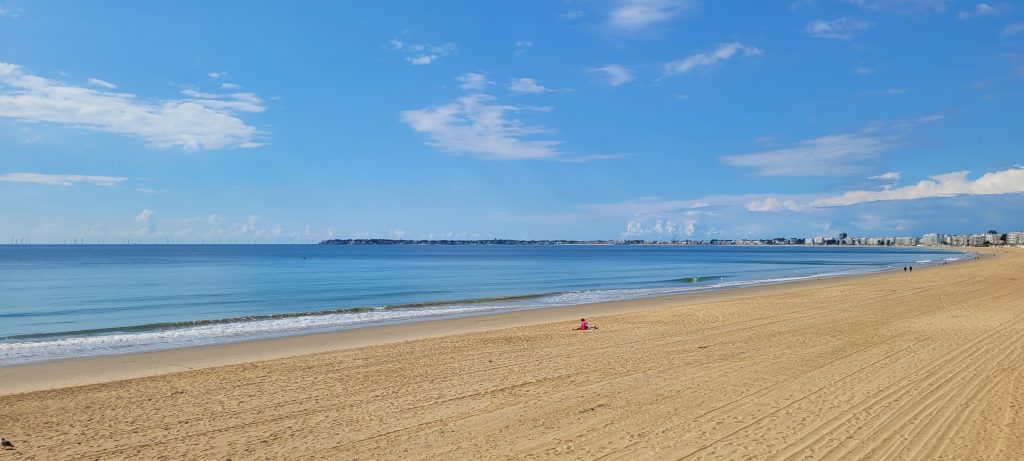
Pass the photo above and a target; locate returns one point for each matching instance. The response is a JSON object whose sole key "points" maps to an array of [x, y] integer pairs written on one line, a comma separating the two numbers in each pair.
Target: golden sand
{"points": [[925, 365]]}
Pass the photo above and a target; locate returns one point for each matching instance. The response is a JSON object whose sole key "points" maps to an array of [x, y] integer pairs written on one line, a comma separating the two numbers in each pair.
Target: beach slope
{"points": [[925, 365]]}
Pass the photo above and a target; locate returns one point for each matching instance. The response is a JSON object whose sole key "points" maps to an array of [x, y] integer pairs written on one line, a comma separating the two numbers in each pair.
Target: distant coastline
{"points": [[483, 242]]}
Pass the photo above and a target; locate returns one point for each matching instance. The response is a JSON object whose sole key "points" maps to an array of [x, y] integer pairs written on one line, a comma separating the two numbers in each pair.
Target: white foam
{"points": [[12, 352]]}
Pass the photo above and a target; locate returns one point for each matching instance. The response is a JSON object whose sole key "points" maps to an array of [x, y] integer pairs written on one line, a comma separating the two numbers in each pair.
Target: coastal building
{"points": [[976, 240], [905, 241], [994, 238], [933, 239], [1015, 238]]}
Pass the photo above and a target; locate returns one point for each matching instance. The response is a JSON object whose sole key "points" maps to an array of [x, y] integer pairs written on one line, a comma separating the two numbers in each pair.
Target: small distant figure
{"points": [[6, 444], [584, 326], [904, 268], [911, 268]]}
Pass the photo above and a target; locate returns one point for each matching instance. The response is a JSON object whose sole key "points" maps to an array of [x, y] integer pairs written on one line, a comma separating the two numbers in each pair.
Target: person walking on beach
{"points": [[904, 268]]}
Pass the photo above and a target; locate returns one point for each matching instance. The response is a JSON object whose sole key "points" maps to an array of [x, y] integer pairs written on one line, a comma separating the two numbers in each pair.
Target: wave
{"points": [[259, 317], [137, 338]]}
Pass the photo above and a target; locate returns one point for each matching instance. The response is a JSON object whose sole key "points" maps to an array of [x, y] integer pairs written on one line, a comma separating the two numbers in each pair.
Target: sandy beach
{"points": [[922, 365]]}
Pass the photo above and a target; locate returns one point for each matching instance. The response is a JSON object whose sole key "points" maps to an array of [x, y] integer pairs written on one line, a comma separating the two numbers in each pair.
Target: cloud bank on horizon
{"points": [[652, 119]]}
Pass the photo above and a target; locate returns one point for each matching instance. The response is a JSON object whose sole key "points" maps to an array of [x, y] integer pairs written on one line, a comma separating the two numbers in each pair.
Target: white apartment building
{"points": [[933, 239]]}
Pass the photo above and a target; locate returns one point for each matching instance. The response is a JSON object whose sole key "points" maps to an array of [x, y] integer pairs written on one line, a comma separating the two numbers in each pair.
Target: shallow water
{"points": [[76, 300]]}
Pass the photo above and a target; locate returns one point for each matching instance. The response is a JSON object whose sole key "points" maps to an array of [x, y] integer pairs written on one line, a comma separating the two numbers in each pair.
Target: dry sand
{"points": [[897, 366]]}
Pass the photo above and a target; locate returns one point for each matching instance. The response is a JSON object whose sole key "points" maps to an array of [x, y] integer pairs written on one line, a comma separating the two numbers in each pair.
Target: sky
{"points": [[285, 122]]}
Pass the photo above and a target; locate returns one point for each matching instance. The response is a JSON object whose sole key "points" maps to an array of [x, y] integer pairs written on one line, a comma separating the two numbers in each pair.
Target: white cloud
{"points": [[421, 54], [144, 216], [217, 75], [474, 125], [522, 46], [252, 227], [773, 205], [62, 180], [230, 86], [614, 74], [660, 229], [1013, 29], [241, 102], [198, 123], [634, 15], [101, 83], [885, 92], [572, 15], [473, 81], [830, 155], [13, 13], [720, 54], [981, 9], [148, 222], [946, 185], [889, 176], [903, 6], [527, 85], [839, 29]]}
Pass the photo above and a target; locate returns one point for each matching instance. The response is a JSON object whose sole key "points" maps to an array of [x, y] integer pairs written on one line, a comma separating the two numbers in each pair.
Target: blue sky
{"points": [[655, 119]]}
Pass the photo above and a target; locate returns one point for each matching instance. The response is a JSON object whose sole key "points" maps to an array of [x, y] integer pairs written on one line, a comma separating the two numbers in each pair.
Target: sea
{"points": [[62, 301]]}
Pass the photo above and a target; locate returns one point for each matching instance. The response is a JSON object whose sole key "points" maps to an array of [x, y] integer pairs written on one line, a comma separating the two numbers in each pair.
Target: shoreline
{"points": [[165, 336], [881, 366], [85, 370]]}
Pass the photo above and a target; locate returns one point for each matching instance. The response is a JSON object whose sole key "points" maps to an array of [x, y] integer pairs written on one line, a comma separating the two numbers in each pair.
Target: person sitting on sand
{"points": [[585, 326]]}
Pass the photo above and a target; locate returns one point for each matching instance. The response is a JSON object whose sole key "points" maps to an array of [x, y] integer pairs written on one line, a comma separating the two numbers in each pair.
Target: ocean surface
{"points": [[60, 301]]}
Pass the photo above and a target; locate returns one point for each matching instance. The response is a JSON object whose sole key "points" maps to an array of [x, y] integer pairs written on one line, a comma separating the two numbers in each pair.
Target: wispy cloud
{"points": [[720, 54], [101, 83], [1013, 29], [13, 13], [888, 176], [529, 85], [240, 102], [635, 15], [421, 54], [885, 92], [473, 81], [832, 155], [571, 15], [61, 180], [863, 69], [614, 74], [903, 6], [982, 9], [522, 46], [475, 125], [774, 205], [946, 185], [838, 29], [194, 123]]}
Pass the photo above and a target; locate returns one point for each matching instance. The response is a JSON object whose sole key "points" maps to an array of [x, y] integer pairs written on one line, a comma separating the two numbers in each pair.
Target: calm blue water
{"points": [[66, 301]]}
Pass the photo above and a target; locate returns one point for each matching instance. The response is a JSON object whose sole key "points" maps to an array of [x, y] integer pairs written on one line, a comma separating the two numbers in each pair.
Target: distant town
{"points": [[990, 238]]}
